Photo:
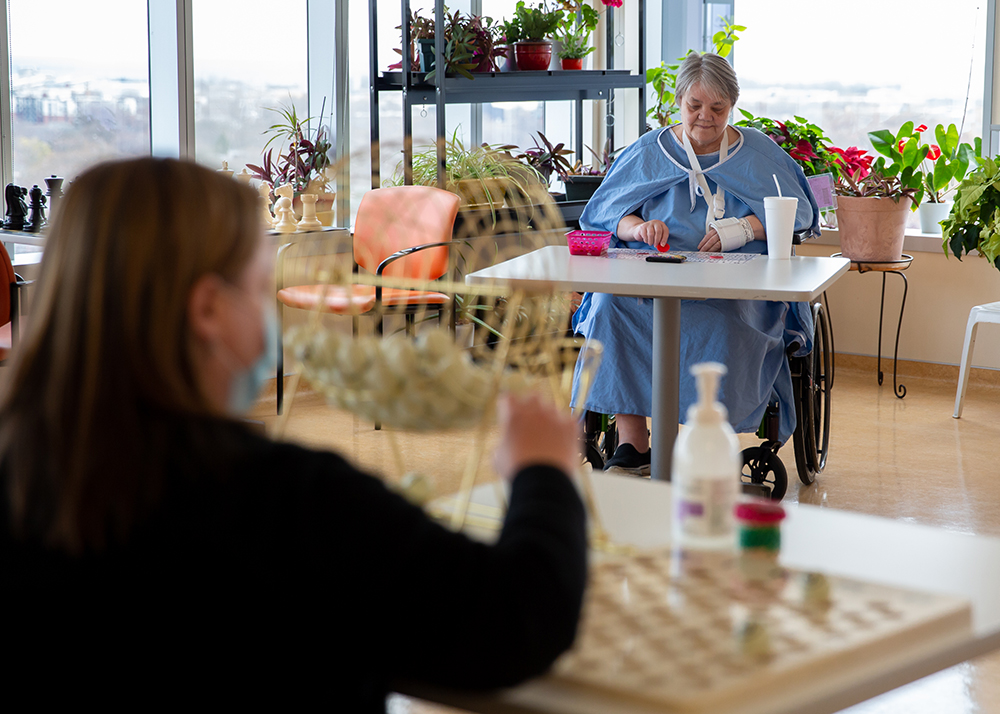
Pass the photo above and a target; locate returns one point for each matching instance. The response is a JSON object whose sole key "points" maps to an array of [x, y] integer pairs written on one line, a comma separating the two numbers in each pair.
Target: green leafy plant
{"points": [[537, 22], [470, 42], [578, 22], [974, 222], [511, 31], [302, 159], [804, 141], [664, 78], [945, 163], [905, 153], [600, 168]]}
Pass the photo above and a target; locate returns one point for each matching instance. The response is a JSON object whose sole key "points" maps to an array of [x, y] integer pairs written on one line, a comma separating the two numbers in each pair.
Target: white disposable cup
{"points": [[779, 223]]}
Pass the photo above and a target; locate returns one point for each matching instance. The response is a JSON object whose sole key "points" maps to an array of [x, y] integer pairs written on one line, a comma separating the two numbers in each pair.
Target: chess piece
{"points": [[286, 218], [225, 169], [244, 177], [285, 191], [265, 204], [16, 207], [37, 216], [53, 190], [309, 220]]}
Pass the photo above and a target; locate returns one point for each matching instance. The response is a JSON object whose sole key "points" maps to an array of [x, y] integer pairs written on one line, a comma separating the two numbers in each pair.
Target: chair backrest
{"points": [[7, 278], [391, 219]]}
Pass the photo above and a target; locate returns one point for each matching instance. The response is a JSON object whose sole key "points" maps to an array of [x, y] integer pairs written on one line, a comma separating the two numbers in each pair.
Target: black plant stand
{"points": [[896, 267]]}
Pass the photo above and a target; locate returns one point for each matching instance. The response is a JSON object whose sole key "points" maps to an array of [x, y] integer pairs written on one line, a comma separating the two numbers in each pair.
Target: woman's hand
{"points": [[535, 433], [654, 232], [711, 243]]}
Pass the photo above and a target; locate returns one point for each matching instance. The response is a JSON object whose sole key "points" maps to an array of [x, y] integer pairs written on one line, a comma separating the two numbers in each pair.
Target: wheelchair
{"points": [[763, 472]]}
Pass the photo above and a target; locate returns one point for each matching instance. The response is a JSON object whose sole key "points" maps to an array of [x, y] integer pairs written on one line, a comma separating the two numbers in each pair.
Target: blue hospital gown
{"points": [[650, 178]]}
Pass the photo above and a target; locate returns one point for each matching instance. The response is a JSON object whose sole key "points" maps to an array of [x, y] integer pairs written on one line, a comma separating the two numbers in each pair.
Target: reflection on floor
{"points": [[904, 459]]}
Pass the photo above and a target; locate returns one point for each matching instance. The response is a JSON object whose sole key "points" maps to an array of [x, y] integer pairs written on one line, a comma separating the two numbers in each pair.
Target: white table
{"points": [[637, 512], [552, 267]]}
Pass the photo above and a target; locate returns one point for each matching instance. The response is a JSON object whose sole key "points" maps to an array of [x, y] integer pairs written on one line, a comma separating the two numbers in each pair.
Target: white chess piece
{"points": [[225, 169], [309, 221], [244, 177], [286, 218], [285, 191], [265, 204]]}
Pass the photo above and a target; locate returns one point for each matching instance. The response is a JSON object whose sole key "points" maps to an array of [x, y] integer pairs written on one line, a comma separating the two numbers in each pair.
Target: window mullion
{"points": [[171, 78]]}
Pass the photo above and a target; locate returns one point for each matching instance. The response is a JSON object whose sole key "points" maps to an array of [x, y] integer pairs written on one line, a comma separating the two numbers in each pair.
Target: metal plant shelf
{"points": [[514, 86]]}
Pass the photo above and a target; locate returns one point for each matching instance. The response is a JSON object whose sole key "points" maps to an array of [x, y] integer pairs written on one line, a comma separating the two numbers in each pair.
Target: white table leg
{"points": [[666, 382]]}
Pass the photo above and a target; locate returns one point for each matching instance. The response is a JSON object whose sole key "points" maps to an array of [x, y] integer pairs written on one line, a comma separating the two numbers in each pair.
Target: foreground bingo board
{"points": [[709, 638], [691, 256]]}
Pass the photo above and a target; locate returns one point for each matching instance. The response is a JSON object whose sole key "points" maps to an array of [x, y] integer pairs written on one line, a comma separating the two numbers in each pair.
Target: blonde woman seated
{"points": [[142, 521]]}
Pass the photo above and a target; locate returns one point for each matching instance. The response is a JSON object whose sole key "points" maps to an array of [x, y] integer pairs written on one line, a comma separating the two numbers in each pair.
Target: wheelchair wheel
{"points": [[762, 467], [815, 379]]}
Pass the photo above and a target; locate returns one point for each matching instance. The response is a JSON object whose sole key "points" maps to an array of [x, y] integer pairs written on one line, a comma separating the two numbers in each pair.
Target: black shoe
{"points": [[629, 460]]}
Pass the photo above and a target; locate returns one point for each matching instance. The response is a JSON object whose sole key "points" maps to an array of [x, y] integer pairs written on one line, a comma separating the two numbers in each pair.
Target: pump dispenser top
{"points": [[707, 410]]}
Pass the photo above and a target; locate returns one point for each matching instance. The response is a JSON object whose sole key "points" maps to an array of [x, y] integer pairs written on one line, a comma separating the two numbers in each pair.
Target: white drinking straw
{"points": [[775, 177]]}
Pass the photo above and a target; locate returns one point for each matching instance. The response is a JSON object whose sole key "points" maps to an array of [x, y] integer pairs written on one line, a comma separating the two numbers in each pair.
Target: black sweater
{"points": [[309, 577]]}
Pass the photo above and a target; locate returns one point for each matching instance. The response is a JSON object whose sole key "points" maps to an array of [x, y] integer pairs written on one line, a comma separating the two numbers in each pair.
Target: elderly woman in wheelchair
{"points": [[700, 185]]}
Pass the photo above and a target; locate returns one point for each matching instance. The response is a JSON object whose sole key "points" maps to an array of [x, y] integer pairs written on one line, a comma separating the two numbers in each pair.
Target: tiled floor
{"points": [[904, 459]]}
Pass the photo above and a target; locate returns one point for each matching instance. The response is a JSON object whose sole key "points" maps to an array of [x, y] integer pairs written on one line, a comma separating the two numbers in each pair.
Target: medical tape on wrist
{"points": [[733, 232]]}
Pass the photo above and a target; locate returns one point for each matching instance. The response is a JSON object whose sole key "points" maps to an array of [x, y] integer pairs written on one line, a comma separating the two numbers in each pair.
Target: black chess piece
{"points": [[37, 216], [16, 207], [53, 189]]}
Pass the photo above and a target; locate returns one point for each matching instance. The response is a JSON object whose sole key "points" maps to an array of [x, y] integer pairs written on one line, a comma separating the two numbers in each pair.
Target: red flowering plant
{"points": [[944, 163], [802, 140], [612, 3]]}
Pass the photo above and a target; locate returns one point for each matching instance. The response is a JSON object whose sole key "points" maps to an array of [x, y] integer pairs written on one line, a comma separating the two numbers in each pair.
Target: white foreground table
{"points": [[878, 550], [800, 279]]}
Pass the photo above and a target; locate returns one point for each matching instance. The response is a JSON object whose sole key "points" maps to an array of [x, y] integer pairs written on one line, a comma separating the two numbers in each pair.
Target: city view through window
{"points": [[78, 97]]}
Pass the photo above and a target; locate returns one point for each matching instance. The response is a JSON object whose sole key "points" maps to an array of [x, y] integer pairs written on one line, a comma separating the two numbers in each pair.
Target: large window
{"points": [[79, 85], [249, 55], [854, 66]]}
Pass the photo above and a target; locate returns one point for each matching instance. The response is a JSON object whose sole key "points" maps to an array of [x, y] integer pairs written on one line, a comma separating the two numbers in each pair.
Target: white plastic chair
{"points": [[980, 313]]}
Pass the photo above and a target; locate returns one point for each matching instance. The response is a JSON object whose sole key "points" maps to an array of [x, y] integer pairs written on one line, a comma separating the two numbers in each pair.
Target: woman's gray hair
{"points": [[710, 71]]}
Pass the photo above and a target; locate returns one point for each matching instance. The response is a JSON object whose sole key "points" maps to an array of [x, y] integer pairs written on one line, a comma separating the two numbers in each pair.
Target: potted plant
{"points": [[872, 206], [510, 35], [534, 50], [664, 108], [481, 176], [469, 44], [578, 22], [802, 140], [974, 222], [546, 159], [945, 164], [582, 181], [303, 160]]}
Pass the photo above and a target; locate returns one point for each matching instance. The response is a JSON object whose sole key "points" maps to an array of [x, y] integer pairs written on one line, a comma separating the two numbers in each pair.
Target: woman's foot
{"points": [[628, 459]]}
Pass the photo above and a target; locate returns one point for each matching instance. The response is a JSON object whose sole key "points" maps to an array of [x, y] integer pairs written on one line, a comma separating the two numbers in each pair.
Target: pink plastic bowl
{"points": [[588, 242]]}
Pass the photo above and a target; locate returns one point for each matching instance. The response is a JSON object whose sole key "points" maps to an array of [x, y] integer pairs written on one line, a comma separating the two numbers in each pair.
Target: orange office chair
{"points": [[10, 304], [400, 232]]}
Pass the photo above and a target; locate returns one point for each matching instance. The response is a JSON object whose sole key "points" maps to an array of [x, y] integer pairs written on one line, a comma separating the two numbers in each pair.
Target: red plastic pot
{"points": [[533, 55], [573, 63]]}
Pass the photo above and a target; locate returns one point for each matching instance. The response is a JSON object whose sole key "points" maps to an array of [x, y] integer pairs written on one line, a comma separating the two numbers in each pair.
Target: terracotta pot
{"points": [[575, 63], [533, 55], [480, 193], [872, 229]]}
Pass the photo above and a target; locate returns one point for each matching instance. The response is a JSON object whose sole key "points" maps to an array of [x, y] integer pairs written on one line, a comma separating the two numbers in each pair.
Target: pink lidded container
{"points": [[588, 242]]}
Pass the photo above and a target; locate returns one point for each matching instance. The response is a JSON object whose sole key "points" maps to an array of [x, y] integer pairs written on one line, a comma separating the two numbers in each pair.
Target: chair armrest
{"points": [[415, 249]]}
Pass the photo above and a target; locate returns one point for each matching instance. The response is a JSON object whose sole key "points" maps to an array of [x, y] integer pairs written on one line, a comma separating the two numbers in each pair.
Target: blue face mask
{"points": [[246, 385]]}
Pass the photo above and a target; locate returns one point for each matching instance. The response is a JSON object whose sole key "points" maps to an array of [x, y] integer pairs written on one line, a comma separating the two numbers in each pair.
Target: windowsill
{"points": [[914, 242]]}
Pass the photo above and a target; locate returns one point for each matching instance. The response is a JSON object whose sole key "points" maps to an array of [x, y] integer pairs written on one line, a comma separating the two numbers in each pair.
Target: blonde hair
{"points": [[107, 352], [712, 72]]}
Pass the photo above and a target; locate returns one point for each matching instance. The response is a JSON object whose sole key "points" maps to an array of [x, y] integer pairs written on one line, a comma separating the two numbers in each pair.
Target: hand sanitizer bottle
{"points": [[706, 470]]}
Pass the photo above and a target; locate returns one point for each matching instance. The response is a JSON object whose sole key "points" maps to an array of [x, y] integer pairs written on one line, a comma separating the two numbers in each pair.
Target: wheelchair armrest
{"points": [[800, 237]]}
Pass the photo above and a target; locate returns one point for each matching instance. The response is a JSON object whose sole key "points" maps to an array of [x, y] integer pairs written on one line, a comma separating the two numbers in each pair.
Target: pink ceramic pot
{"points": [[872, 229], [533, 55]]}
